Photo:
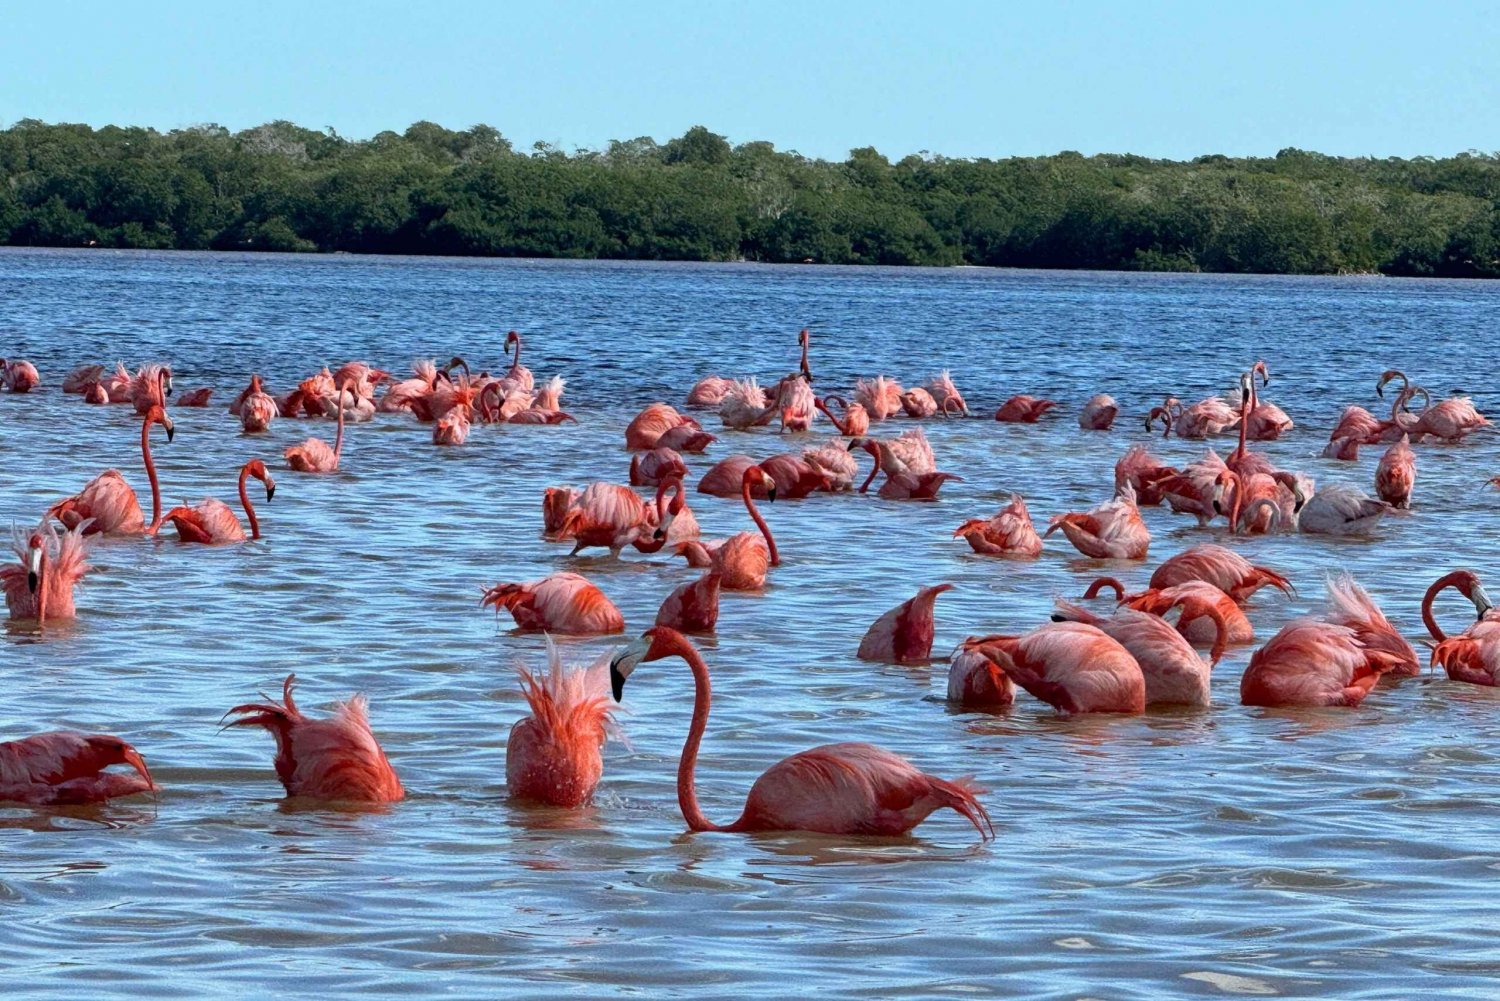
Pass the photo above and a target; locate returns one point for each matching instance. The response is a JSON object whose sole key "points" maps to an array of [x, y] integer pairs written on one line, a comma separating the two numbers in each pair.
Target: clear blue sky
{"points": [[818, 76]]}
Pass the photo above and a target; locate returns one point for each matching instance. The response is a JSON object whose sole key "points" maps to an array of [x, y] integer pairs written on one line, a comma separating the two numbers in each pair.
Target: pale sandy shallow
{"points": [[1205, 854]]}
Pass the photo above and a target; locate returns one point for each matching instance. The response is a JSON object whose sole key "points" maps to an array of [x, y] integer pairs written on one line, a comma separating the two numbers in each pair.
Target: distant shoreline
{"points": [[431, 191]]}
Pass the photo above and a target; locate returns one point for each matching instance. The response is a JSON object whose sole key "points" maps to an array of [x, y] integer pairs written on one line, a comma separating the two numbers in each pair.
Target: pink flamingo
{"points": [[211, 522], [1242, 460], [518, 376], [1023, 409], [561, 603], [549, 396], [1174, 673], [81, 378], [1008, 533], [709, 391], [796, 403], [745, 405], [879, 397], [412, 394], [1341, 509], [918, 403], [556, 503], [40, 587], [941, 388], [107, 505], [536, 416], [65, 768], [335, 759], [19, 376], [686, 438], [1203, 419], [151, 387], [1257, 503], [675, 521], [118, 384], [855, 422], [795, 477], [1098, 413], [1195, 625], [552, 756], [903, 635], [257, 408], [833, 463], [693, 607], [1397, 474], [1474, 655], [1349, 605], [1145, 473], [903, 484], [834, 789], [610, 516], [1112, 531], [647, 469], [651, 423], [95, 395], [1449, 419], [1193, 490], [1223, 568], [741, 560], [452, 429], [1263, 421], [314, 455], [1073, 667], [975, 681], [195, 397]]}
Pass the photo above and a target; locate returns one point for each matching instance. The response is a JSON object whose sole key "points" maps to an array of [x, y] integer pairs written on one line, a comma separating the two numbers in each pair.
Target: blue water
{"points": [[1230, 851]]}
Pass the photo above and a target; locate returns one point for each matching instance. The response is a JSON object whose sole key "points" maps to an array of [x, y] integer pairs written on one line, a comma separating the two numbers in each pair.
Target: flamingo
{"points": [[744, 406], [975, 681], [1098, 413], [647, 469], [549, 396], [1263, 421], [856, 420], [335, 759], [709, 391], [693, 607], [19, 376], [1113, 530], [212, 523], [1258, 503], [40, 587], [845, 789], [195, 397], [95, 395], [561, 603], [1192, 491], [1195, 625], [1023, 409], [1341, 509], [1474, 655], [918, 403], [879, 397], [903, 635], [556, 503], [832, 461], [451, 429], [412, 394], [1174, 673], [1223, 568], [796, 403], [1203, 419], [107, 505], [257, 408], [1008, 533], [118, 384], [1071, 666], [686, 438], [150, 387], [611, 516], [651, 423], [1145, 473], [364, 376], [1350, 605], [314, 455], [1449, 419], [804, 341], [81, 378], [66, 768], [902, 482], [941, 388], [552, 756], [1242, 460], [1397, 474], [675, 521], [519, 376], [742, 560]]}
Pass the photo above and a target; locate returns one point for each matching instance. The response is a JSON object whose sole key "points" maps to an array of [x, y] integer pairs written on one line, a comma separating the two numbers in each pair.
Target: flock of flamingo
{"points": [[1145, 653]]}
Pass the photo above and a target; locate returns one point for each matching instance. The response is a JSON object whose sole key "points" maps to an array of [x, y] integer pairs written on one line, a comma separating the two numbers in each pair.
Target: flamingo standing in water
{"points": [[879, 397], [1474, 655], [693, 607], [1071, 666], [552, 756], [1145, 473], [795, 403], [1223, 568], [107, 505], [832, 463], [1397, 474], [1194, 597], [19, 376], [645, 430], [66, 768], [1192, 491], [314, 455], [1174, 673], [856, 420], [975, 680], [40, 587], [709, 391], [150, 388], [81, 378], [941, 388], [562, 603], [1008, 533], [847, 789], [608, 515], [211, 522], [1098, 413], [335, 759], [518, 376], [1341, 509], [746, 405], [741, 560], [1263, 421], [904, 634], [1112, 531], [1449, 419], [1023, 409], [257, 408]]}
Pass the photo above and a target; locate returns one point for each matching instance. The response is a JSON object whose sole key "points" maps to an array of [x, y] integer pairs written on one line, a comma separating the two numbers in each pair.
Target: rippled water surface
{"points": [[1232, 851]]}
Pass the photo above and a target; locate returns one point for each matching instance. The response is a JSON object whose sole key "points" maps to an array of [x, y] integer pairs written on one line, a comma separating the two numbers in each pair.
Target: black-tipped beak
{"points": [[270, 492], [659, 534], [1380, 390], [32, 580], [616, 679], [1217, 508], [771, 494], [1056, 617], [171, 432]]}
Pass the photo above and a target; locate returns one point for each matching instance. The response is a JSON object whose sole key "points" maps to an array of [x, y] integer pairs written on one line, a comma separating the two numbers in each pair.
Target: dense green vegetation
{"points": [[430, 190]]}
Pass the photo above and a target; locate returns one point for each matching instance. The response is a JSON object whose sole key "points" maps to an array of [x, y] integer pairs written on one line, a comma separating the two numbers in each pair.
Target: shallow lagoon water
{"points": [[1227, 852]]}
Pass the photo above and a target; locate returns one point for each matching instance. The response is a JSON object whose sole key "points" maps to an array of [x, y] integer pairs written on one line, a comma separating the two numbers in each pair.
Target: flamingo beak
{"points": [[171, 429], [770, 489], [33, 569], [624, 662], [1482, 603], [270, 489]]}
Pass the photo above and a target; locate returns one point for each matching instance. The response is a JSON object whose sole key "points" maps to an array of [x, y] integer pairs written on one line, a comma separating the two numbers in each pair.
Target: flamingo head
{"points": [[159, 415], [35, 546], [654, 644], [1259, 368], [257, 469], [1387, 376], [754, 476], [512, 338], [1467, 583], [1493, 481]]}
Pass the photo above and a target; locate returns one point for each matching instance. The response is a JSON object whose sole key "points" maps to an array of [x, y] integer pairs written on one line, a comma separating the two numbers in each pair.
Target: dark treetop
{"points": [[430, 190]]}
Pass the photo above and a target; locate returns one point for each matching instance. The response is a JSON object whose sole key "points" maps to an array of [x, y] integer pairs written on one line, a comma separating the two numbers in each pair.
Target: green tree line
{"points": [[431, 190]]}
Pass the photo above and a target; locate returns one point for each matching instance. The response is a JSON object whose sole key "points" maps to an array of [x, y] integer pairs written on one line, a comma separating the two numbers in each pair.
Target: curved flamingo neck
{"points": [[245, 500], [151, 474], [1101, 584], [822, 405], [1247, 407], [865, 486], [1428, 619], [687, 793], [759, 521], [516, 361]]}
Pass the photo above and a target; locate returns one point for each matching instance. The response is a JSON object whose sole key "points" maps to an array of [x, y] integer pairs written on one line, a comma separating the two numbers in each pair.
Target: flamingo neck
{"points": [[760, 523], [1428, 619], [42, 583], [151, 475], [245, 500], [805, 370], [687, 793], [839, 425], [516, 361], [338, 438], [865, 486]]}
